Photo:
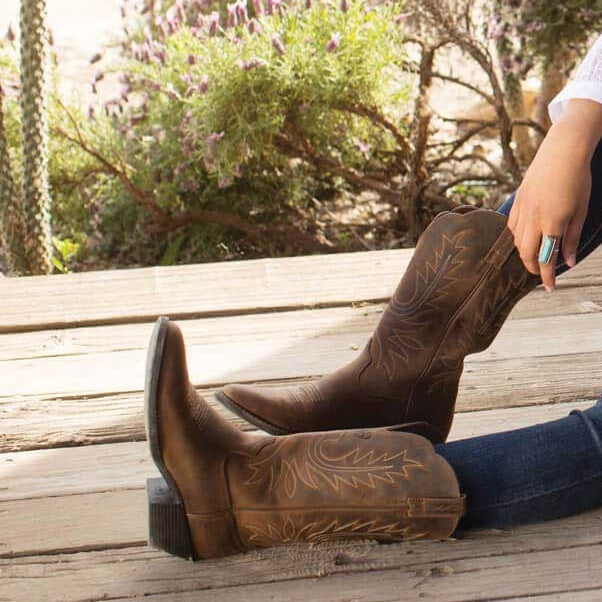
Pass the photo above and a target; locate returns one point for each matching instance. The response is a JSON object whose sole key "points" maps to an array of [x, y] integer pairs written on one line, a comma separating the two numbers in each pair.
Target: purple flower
{"points": [[93, 59], [344, 5], [308, 4], [98, 76], [213, 139], [203, 85], [191, 59], [241, 12], [161, 56], [334, 42], [10, 34], [180, 11], [278, 45], [162, 25], [172, 92], [224, 182], [258, 8], [251, 64], [254, 27], [213, 23], [232, 18]]}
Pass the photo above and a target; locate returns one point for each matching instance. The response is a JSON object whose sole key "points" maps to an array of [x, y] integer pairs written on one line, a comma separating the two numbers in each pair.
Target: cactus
{"points": [[11, 206], [34, 53]]}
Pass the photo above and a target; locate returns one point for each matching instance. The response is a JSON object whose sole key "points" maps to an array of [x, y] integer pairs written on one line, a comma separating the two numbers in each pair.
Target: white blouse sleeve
{"points": [[587, 82]]}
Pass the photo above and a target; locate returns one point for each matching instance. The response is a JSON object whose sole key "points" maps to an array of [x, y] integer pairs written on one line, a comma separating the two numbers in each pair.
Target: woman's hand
{"points": [[554, 194]]}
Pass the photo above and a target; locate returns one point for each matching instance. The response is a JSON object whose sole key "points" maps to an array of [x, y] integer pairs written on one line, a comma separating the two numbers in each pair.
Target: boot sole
{"points": [[231, 405], [167, 523]]}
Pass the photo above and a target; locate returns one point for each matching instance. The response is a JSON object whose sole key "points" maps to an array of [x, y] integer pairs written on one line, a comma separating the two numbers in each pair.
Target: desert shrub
{"points": [[226, 131]]}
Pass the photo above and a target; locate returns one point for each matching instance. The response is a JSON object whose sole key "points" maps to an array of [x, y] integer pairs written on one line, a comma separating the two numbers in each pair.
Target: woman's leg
{"points": [[532, 474], [591, 235]]}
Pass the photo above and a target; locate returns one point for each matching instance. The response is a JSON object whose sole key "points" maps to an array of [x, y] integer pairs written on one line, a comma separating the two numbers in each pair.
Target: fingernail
{"points": [[571, 260], [548, 288]]}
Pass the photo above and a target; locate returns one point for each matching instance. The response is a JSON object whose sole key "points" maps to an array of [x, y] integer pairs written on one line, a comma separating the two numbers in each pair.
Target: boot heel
{"points": [[167, 524]]}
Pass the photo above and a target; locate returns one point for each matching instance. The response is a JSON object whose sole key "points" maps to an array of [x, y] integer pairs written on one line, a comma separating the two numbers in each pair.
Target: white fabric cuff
{"points": [[591, 90]]}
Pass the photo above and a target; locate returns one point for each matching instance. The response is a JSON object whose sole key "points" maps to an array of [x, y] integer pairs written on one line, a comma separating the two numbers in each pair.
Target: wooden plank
{"points": [[138, 295], [34, 422], [109, 467], [455, 566], [134, 295], [86, 340], [268, 347], [482, 579], [89, 521]]}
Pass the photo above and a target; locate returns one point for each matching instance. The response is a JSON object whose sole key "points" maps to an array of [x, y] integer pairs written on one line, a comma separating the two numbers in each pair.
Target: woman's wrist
{"points": [[579, 128]]}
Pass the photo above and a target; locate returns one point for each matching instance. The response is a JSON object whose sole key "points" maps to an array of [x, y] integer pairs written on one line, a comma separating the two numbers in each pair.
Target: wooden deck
{"points": [[73, 459]]}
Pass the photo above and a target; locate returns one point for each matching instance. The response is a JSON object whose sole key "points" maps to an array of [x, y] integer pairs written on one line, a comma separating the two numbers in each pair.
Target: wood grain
{"points": [[532, 559], [282, 346], [202, 290]]}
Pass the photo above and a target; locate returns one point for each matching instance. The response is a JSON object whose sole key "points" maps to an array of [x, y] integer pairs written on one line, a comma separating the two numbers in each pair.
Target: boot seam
{"points": [[448, 328]]}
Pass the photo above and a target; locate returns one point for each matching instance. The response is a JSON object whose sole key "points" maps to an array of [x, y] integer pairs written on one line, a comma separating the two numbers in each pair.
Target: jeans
{"points": [[541, 472]]}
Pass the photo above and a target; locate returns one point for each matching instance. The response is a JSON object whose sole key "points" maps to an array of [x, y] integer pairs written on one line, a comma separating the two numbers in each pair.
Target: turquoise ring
{"points": [[549, 248]]}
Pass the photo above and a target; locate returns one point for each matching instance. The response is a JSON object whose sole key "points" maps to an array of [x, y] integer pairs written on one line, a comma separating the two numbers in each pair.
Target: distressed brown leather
{"points": [[464, 278], [243, 490]]}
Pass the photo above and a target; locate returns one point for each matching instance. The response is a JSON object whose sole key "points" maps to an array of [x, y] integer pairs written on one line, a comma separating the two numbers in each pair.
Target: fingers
{"points": [[571, 238], [529, 249], [548, 273]]}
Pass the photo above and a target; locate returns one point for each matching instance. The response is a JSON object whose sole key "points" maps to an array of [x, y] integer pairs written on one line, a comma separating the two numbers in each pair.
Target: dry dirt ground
{"points": [[80, 28]]}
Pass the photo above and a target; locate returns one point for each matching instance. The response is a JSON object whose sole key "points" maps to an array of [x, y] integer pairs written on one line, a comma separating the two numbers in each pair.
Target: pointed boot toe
{"points": [[267, 408]]}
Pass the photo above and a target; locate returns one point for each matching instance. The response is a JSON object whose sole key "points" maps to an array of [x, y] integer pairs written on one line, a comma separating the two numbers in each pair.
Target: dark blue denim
{"points": [[546, 471], [537, 473]]}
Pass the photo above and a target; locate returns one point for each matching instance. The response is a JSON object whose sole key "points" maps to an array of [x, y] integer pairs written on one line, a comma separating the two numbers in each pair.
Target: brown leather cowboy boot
{"points": [[464, 278], [224, 491]]}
